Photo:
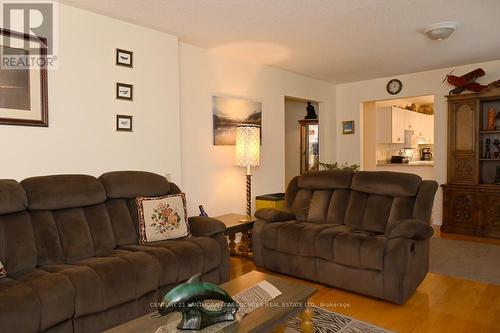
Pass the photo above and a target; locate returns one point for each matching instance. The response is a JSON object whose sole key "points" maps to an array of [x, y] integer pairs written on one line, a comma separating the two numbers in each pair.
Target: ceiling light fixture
{"points": [[441, 30]]}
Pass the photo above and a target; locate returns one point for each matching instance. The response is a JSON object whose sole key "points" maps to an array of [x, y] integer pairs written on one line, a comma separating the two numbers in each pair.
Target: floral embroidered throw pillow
{"points": [[162, 218], [3, 271]]}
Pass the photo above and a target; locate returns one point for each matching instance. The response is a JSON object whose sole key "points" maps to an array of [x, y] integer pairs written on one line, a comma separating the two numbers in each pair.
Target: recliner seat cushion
{"points": [[117, 279], [194, 255], [359, 249], [292, 237], [55, 294], [20, 308]]}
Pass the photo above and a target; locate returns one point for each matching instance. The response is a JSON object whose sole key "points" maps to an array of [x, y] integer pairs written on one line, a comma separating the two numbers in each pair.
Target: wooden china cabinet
{"points": [[471, 198], [309, 145]]}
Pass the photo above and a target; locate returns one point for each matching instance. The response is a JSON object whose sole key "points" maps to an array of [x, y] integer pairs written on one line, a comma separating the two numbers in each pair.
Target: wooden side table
{"points": [[234, 225]]}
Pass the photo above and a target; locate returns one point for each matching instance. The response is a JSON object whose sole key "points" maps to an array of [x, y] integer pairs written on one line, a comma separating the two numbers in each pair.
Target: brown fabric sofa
{"points": [[366, 232], [70, 247]]}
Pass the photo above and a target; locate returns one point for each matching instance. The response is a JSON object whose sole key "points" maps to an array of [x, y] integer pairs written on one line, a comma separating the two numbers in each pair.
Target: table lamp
{"points": [[247, 155]]}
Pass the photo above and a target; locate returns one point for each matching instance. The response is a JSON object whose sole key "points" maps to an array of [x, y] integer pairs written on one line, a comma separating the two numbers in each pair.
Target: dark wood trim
{"points": [[44, 103]]}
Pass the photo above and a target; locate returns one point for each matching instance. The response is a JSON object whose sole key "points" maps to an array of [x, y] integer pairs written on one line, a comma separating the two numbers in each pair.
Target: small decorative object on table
{"points": [[188, 299]]}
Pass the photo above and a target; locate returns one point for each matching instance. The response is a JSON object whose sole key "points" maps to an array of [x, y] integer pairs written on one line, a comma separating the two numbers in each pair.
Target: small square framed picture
{"points": [[124, 58], [348, 127], [123, 123], [124, 91]]}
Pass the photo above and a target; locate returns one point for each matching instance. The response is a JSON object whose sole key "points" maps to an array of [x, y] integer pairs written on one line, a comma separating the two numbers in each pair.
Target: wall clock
{"points": [[394, 86]]}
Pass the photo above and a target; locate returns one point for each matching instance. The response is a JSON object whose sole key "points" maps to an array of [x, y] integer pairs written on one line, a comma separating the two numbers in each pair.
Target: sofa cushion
{"points": [[20, 308], [89, 290], [167, 261], [54, 292], [292, 237], [131, 184], [117, 278], [162, 218], [323, 243], [12, 197], [17, 243], [368, 212], [63, 191], [395, 184], [359, 249], [325, 180], [194, 255], [146, 267]]}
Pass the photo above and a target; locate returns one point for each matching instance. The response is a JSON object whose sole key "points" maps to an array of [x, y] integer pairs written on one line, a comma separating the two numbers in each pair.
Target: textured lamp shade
{"points": [[247, 146]]}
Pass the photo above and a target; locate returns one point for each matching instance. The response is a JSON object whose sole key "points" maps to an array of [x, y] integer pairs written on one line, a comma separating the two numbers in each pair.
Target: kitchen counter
{"points": [[410, 164]]}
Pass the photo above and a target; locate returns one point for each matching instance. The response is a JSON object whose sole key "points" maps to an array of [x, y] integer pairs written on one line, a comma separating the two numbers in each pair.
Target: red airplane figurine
{"points": [[466, 81]]}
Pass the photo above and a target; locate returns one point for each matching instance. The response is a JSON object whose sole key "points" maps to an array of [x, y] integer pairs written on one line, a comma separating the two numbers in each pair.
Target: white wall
{"points": [[81, 137], [349, 98], [209, 176], [295, 110]]}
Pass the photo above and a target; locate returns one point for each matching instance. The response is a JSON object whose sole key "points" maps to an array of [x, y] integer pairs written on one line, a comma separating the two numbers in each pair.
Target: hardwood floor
{"points": [[441, 304]]}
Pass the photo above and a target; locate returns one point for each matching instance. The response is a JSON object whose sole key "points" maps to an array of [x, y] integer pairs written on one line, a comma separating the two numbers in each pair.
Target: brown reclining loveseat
{"points": [[367, 232], [70, 247]]}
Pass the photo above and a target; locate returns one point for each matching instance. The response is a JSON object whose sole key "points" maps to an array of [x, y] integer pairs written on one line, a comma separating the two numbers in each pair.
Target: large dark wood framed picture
{"points": [[23, 79]]}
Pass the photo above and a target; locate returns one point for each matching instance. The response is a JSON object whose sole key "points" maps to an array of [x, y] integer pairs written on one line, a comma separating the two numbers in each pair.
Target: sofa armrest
{"points": [[412, 229], [274, 214], [205, 226]]}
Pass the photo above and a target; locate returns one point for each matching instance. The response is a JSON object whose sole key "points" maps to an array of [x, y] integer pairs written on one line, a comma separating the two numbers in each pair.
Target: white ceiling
{"points": [[333, 40]]}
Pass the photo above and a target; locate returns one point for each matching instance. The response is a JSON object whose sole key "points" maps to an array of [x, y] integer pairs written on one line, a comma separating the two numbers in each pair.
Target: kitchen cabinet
{"points": [[391, 123], [399, 123]]}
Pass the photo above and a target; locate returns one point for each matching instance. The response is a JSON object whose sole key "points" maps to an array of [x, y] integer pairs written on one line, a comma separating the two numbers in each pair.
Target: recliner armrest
{"points": [[205, 226], [275, 214], [412, 229]]}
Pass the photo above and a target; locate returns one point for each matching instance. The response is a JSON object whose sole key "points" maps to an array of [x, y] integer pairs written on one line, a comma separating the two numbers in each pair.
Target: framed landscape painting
{"points": [[23, 79], [229, 112]]}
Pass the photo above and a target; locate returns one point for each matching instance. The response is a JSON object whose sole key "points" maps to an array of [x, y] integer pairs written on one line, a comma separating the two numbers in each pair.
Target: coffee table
{"points": [[293, 299]]}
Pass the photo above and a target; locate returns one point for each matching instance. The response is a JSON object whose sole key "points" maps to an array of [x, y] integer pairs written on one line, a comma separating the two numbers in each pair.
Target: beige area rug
{"points": [[468, 260]]}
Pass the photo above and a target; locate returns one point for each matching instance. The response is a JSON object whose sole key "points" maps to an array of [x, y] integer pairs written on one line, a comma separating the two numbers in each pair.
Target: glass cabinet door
{"points": [[309, 145]]}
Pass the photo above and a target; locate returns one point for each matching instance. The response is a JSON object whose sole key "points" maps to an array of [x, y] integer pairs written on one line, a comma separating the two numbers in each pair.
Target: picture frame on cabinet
{"points": [[124, 91], [348, 127], [123, 123], [124, 58]]}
